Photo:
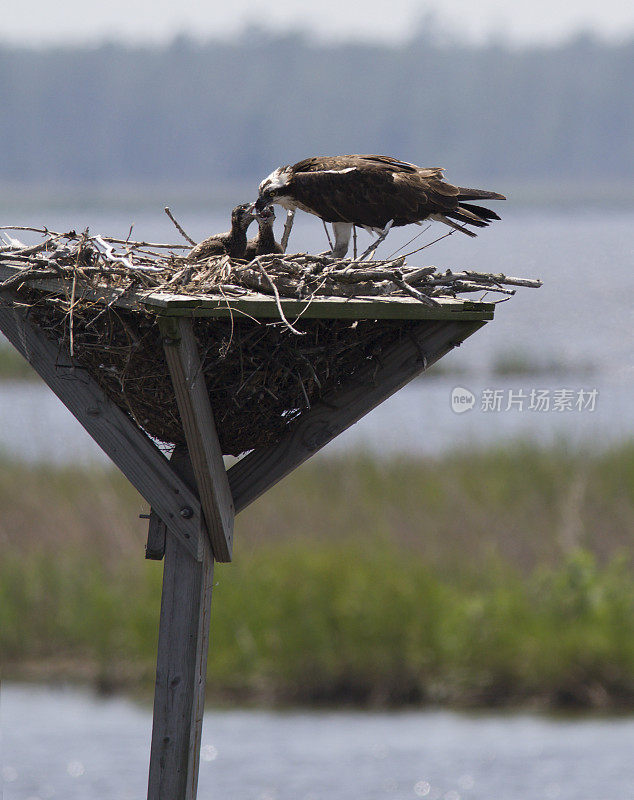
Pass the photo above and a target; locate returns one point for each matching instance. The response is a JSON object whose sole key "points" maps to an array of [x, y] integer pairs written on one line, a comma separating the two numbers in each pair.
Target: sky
{"points": [[76, 21]]}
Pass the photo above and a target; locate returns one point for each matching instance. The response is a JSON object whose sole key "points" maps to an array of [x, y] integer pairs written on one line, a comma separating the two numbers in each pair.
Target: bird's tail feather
{"points": [[478, 194], [480, 211]]}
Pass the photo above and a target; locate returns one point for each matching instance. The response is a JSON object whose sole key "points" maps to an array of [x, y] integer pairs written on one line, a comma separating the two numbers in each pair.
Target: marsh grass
{"points": [[516, 363], [13, 366], [475, 579]]}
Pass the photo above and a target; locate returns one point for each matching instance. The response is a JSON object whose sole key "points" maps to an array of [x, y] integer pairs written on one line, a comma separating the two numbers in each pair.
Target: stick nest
{"points": [[260, 375]]}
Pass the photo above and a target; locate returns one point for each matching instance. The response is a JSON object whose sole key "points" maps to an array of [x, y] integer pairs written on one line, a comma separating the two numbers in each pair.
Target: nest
{"points": [[260, 375]]}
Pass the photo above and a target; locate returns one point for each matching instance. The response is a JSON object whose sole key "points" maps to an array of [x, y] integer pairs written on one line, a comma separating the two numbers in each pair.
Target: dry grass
{"points": [[526, 506]]}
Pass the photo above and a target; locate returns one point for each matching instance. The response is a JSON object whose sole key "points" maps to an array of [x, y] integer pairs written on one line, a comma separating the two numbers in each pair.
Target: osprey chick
{"points": [[232, 243], [375, 192], [264, 242]]}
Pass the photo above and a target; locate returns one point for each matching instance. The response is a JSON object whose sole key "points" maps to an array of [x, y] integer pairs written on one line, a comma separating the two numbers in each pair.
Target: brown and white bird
{"points": [[232, 243], [374, 192], [264, 242]]}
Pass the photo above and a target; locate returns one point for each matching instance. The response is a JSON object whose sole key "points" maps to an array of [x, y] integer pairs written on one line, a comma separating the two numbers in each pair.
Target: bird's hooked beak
{"points": [[265, 214], [261, 209], [259, 205]]}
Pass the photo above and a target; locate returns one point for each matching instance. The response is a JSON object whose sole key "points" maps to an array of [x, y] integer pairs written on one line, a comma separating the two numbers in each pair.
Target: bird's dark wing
{"points": [[396, 165], [213, 246], [359, 193], [318, 163], [372, 190]]}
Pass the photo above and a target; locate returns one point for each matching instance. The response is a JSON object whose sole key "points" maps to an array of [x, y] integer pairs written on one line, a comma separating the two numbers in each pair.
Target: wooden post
{"points": [[188, 380], [181, 668]]}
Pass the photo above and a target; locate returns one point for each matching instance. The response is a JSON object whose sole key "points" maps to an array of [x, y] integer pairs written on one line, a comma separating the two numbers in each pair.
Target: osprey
{"points": [[374, 192], [264, 242], [232, 243]]}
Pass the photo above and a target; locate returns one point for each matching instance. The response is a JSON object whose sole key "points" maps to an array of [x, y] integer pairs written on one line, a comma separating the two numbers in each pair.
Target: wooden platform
{"points": [[193, 497]]}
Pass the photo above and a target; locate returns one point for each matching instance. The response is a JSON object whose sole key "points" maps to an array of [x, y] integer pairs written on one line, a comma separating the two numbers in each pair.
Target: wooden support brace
{"points": [[114, 431], [156, 537], [181, 667], [181, 352], [257, 472]]}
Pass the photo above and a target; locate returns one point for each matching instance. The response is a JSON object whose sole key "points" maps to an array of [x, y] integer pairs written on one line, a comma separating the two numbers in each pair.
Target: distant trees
{"points": [[196, 113]]}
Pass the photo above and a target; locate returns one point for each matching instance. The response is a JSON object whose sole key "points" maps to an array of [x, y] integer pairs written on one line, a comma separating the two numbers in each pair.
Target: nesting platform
{"points": [[224, 371], [261, 373]]}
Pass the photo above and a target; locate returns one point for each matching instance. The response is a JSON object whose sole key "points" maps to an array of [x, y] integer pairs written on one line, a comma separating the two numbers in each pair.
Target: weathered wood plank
{"points": [[257, 472], [188, 379], [181, 668], [156, 537], [265, 307], [114, 431]]}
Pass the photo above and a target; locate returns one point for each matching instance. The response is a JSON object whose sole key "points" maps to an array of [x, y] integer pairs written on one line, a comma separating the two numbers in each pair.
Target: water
{"points": [[581, 319], [67, 743], [418, 420]]}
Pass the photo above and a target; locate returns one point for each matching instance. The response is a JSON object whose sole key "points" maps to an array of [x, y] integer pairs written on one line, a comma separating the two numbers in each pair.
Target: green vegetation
{"points": [[516, 363], [13, 367], [475, 579]]}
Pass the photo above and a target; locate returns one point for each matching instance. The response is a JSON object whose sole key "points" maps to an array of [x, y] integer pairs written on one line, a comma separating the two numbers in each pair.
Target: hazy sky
{"points": [[40, 21]]}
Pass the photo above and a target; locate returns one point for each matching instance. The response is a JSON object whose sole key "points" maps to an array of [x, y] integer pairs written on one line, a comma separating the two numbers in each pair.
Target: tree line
{"points": [[195, 113]]}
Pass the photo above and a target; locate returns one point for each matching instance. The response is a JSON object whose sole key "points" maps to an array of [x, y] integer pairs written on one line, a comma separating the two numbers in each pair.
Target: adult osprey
{"points": [[375, 192]]}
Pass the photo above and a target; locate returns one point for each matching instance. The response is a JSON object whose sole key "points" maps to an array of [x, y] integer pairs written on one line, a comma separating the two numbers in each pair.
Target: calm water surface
{"points": [[418, 420], [69, 744], [582, 319]]}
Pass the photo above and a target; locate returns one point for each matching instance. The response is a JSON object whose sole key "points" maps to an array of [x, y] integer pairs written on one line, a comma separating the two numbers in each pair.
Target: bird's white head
{"points": [[274, 188]]}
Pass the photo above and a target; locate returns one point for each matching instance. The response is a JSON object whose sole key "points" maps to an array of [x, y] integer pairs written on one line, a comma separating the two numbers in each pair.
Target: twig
{"points": [[429, 244], [277, 299], [111, 239], [470, 286], [288, 225], [32, 250], [372, 248], [484, 277], [358, 275], [27, 274], [423, 298], [178, 227], [231, 317], [417, 274], [301, 383], [26, 228], [107, 250], [504, 279], [328, 236], [70, 311], [413, 239]]}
